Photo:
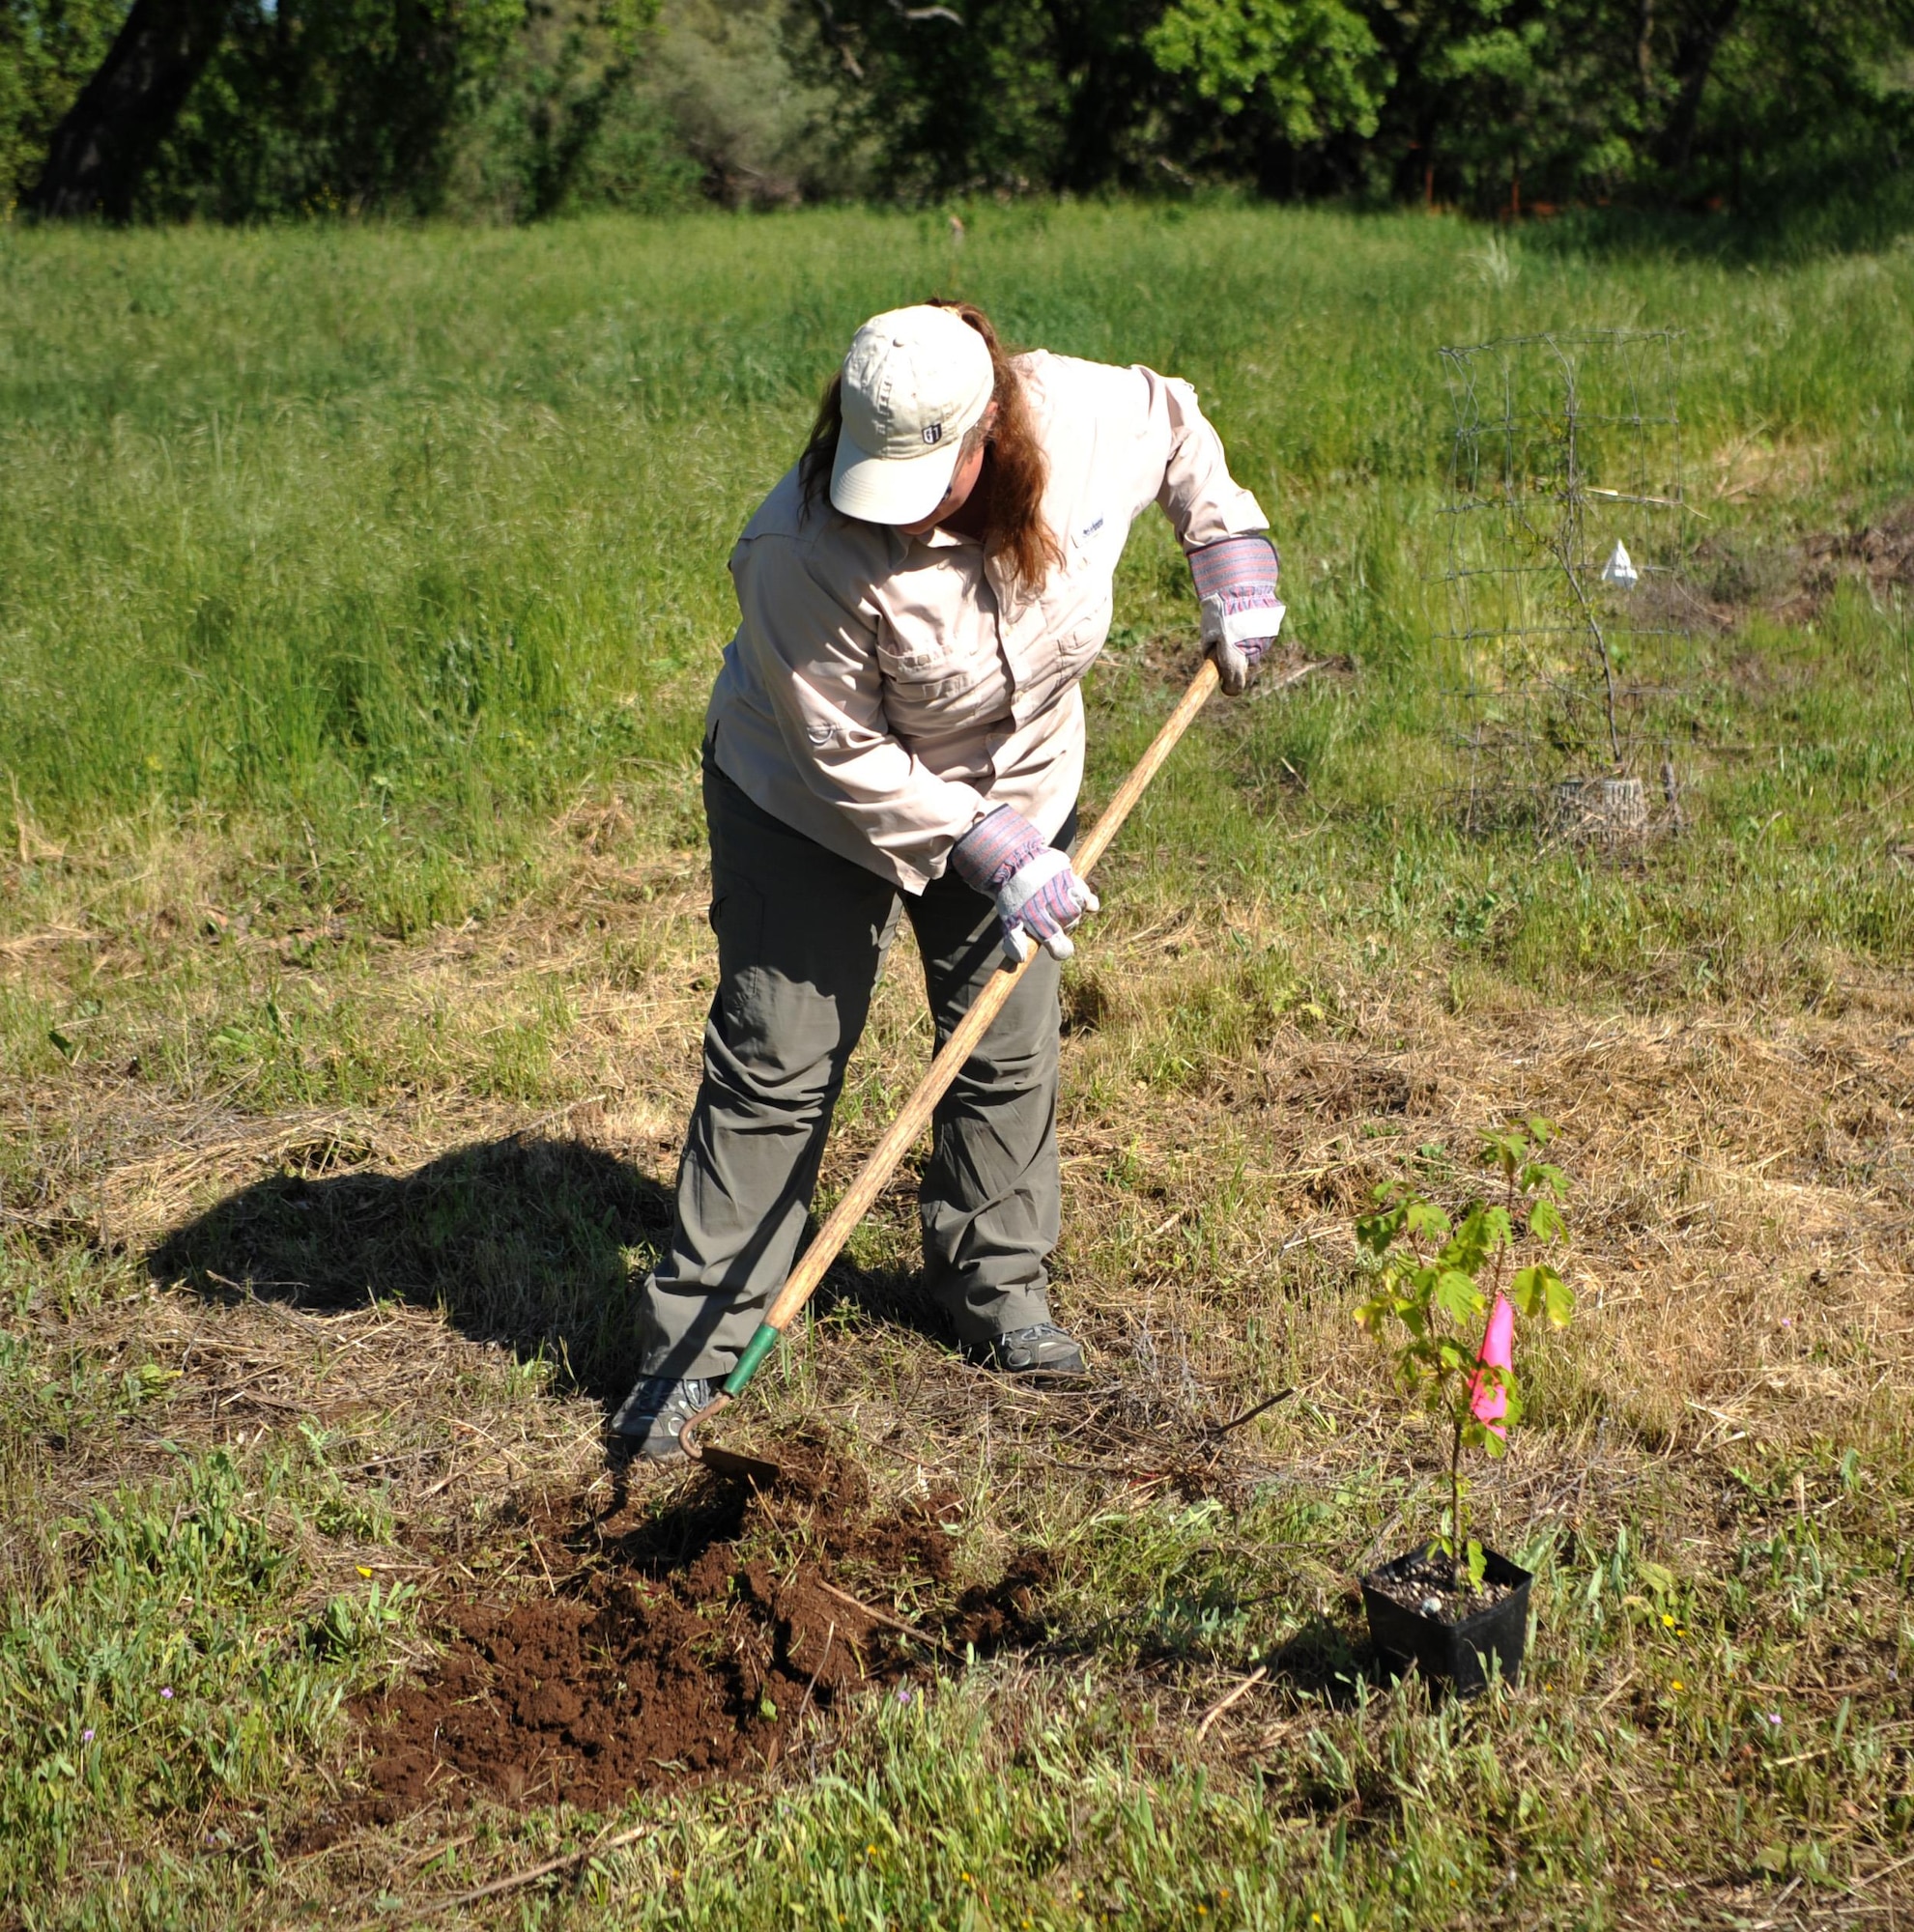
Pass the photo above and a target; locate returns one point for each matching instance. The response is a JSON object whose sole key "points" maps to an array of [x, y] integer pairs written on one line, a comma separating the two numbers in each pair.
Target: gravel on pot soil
{"points": [[1429, 1586]]}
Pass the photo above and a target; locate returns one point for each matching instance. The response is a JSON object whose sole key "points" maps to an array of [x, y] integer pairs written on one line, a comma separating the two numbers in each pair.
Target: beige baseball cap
{"points": [[914, 380]]}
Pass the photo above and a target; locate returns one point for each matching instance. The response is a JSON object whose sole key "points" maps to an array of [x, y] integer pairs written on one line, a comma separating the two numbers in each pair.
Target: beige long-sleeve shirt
{"points": [[885, 693]]}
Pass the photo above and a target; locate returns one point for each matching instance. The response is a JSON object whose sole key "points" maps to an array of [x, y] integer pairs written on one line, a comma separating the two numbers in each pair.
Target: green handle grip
{"points": [[752, 1360]]}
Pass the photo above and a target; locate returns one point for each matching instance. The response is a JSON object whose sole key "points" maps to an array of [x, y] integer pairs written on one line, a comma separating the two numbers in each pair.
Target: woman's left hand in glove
{"points": [[1235, 584], [1037, 891]]}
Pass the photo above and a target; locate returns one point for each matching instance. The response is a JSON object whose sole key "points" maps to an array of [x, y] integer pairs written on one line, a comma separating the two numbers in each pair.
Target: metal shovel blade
{"points": [[727, 1463], [752, 1469]]}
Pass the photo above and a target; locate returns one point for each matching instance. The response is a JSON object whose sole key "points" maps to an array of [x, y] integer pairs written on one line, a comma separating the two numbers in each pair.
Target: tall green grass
{"points": [[390, 540]]}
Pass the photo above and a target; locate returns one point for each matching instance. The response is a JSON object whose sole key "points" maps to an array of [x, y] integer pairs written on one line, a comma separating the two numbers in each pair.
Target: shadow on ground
{"points": [[1324, 1662], [539, 1245]]}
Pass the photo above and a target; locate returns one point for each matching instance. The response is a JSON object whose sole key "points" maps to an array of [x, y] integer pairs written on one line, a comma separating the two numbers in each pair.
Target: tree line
{"points": [[514, 109]]}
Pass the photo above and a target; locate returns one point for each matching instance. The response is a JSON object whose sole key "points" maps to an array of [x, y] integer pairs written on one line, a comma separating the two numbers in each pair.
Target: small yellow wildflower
{"points": [[1674, 1684], [1668, 1619]]}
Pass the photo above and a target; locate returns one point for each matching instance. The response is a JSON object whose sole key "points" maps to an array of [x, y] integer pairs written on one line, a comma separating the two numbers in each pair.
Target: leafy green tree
{"points": [[1497, 104], [1502, 103], [101, 150], [561, 122], [723, 76], [515, 109], [1544, 93], [48, 50], [1813, 89], [1306, 69], [318, 105], [1001, 94], [249, 108]]}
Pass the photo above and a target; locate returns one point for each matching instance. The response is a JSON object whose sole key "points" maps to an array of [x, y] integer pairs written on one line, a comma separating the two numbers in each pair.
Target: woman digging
{"points": [[897, 727]]}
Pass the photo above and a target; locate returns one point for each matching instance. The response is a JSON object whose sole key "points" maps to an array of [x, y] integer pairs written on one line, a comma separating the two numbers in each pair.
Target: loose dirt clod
{"points": [[689, 1646]]}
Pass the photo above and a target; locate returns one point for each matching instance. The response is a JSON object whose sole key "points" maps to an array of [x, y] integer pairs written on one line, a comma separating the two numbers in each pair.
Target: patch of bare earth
{"points": [[1730, 575], [669, 1648]]}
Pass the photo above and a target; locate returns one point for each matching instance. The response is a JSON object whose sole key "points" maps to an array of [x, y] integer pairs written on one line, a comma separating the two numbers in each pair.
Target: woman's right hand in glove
{"points": [[1038, 893]]}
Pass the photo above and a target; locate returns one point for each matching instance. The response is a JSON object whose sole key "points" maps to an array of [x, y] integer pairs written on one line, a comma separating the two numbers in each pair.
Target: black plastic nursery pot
{"points": [[1459, 1654]]}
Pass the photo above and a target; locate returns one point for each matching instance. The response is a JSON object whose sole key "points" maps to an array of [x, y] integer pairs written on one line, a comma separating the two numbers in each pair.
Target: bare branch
{"points": [[833, 34]]}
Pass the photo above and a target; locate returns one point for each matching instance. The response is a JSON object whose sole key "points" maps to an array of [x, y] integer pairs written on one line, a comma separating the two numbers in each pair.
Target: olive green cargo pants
{"points": [[802, 938]]}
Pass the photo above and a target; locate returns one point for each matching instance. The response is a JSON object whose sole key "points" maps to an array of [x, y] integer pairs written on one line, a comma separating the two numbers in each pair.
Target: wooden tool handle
{"points": [[916, 1112]]}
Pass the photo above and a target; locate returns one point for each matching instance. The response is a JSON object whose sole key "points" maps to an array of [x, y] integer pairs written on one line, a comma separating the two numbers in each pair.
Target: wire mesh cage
{"points": [[1567, 532]]}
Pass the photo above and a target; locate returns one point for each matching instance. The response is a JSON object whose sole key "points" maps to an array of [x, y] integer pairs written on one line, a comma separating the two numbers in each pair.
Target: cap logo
{"points": [[934, 433]]}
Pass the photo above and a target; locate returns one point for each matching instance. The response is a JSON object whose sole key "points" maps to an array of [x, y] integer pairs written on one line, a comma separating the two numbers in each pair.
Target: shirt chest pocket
{"points": [[1083, 635], [1081, 604], [929, 667]]}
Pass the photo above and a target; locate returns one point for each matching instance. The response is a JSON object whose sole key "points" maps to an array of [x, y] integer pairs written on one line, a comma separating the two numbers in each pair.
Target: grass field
{"points": [[359, 591]]}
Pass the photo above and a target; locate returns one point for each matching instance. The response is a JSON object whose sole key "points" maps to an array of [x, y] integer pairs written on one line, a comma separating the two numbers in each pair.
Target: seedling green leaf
{"points": [[1425, 1219], [1457, 1296]]}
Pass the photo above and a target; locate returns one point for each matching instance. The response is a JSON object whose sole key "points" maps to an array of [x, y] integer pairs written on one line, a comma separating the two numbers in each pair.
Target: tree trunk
{"points": [[1696, 45], [107, 140]]}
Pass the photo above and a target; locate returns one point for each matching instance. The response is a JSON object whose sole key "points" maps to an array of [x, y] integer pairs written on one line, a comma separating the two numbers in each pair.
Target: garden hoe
{"points": [[916, 1116]]}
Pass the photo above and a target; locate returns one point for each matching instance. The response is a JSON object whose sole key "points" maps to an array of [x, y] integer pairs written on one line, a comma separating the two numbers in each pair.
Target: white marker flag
{"points": [[1619, 570]]}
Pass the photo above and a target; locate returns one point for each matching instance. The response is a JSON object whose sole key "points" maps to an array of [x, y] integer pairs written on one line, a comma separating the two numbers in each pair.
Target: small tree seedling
{"points": [[1438, 1279]]}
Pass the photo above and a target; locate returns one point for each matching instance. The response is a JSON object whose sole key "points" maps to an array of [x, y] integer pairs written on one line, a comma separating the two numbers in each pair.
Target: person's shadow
{"points": [[537, 1244]]}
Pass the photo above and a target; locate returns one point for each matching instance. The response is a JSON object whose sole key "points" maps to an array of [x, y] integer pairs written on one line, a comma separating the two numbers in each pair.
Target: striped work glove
{"points": [[1007, 859], [1236, 582]]}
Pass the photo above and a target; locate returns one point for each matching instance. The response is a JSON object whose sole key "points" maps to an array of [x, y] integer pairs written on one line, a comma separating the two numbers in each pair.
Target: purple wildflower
{"points": [[166, 1690], [86, 1737]]}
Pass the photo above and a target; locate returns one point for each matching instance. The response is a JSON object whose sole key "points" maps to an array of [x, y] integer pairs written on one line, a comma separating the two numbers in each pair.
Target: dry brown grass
{"points": [[1742, 1216], [1743, 1179]]}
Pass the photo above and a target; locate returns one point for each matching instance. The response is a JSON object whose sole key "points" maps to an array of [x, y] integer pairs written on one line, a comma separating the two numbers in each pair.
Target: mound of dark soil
{"points": [[1729, 576], [691, 1645]]}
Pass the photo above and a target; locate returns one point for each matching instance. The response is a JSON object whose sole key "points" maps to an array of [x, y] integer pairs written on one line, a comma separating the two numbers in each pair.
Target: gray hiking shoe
{"points": [[656, 1410], [1039, 1350]]}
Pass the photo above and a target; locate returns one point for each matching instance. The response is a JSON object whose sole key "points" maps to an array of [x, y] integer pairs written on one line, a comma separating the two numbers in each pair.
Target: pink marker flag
{"points": [[1488, 1404]]}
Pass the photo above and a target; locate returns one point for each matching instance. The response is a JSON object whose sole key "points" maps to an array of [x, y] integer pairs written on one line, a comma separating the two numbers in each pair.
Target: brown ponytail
{"points": [[1015, 467]]}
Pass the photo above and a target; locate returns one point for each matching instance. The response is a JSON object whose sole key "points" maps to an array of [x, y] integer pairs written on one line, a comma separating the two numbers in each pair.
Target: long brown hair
{"points": [[1015, 467]]}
